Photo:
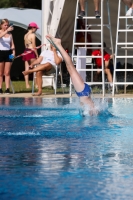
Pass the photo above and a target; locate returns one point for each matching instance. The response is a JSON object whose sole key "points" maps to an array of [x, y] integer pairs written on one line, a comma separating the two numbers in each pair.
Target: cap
{"points": [[34, 25]]}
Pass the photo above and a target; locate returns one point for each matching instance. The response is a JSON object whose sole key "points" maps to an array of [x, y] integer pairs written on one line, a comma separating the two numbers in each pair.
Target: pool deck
{"points": [[29, 95]]}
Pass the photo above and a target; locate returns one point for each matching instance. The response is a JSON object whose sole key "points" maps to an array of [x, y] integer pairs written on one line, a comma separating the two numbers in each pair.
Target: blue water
{"points": [[49, 151]]}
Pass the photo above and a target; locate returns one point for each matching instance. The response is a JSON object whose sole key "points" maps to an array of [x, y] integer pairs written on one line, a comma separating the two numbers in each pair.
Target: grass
{"points": [[19, 87]]}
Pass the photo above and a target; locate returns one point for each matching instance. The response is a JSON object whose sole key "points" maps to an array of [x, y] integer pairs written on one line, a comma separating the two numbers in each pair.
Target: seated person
{"points": [[47, 60], [98, 61]]}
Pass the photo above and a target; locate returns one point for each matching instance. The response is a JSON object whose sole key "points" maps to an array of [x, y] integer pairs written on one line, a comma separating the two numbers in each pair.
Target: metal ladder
{"points": [[122, 46], [98, 29]]}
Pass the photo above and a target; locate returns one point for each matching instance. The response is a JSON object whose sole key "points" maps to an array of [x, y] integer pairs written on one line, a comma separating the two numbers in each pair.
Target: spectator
{"points": [[98, 61], [47, 60], [7, 52], [82, 8], [30, 43]]}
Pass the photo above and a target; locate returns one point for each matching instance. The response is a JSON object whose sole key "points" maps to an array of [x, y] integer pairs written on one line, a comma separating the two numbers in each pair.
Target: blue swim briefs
{"points": [[85, 92]]}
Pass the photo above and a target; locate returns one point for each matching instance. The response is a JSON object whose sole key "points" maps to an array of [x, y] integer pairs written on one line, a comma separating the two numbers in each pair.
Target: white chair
{"points": [[50, 79]]}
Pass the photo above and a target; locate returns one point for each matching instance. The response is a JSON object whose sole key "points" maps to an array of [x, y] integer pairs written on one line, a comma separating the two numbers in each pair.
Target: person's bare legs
{"points": [[39, 83], [82, 5], [27, 77], [39, 70], [31, 61], [96, 6], [107, 71], [82, 8], [109, 75], [2, 64], [41, 67], [7, 74]]}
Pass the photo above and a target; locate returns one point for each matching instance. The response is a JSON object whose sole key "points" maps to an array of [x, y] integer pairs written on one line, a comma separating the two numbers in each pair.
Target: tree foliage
{"points": [[4, 3], [36, 4]]}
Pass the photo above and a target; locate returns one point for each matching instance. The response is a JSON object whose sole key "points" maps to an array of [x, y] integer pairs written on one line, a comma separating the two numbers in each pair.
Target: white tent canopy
{"points": [[22, 17]]}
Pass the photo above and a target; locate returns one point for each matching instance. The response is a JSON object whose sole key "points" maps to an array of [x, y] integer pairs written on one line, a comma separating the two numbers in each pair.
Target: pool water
{"points": [[49, 151]]}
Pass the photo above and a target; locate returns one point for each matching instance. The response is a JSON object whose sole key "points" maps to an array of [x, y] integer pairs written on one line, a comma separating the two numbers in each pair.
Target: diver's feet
{"points": [[54, 41]]}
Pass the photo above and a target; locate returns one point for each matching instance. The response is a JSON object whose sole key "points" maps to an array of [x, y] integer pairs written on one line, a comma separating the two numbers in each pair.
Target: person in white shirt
{"points": [[7, 52], [130, 6], [47, 61]]}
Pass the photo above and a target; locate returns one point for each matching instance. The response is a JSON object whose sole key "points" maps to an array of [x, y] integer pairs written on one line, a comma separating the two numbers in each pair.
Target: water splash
{"points": [[101, 105]]}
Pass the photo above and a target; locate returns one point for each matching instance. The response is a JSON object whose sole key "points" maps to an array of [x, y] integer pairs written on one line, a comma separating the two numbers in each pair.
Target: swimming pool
{"points": [[49, 151]]}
